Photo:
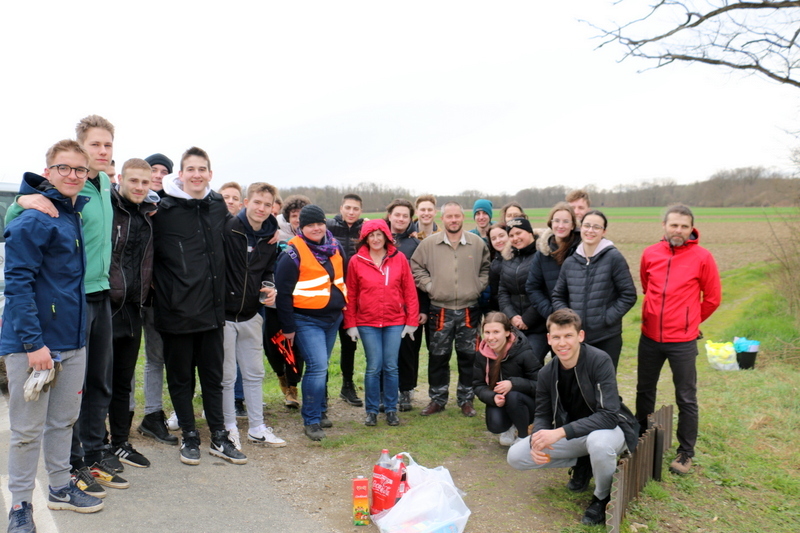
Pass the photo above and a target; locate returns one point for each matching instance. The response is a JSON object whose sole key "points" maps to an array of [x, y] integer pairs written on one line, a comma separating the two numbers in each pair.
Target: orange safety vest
{"points": [[313, 289]]}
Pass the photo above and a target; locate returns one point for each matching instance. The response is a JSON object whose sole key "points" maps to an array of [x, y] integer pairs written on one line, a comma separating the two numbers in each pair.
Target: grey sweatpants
{"points": [[45, 423], [244, 344], [603, 447]]}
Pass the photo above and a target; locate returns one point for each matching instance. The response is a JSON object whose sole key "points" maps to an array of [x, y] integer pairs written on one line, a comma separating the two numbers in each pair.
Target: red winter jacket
{"points": [[380, 296], [673, 279]]}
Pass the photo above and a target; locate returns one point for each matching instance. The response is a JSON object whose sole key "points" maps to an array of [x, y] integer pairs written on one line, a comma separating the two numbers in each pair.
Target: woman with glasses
{"points": [[553, 247], [596, 283]]}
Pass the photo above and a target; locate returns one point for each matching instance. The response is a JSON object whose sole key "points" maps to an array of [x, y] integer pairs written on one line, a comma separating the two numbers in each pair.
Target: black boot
{"points": [[581, 474], [154, 426], [349, 395]]}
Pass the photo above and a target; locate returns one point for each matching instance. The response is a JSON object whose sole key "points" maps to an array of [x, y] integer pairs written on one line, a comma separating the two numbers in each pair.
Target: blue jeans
{"points": [[314, 340], [381, 346]]}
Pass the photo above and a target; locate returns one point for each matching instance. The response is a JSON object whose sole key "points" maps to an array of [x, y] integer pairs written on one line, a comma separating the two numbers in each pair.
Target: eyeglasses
{"points": [[595, 227], [66, 170]]}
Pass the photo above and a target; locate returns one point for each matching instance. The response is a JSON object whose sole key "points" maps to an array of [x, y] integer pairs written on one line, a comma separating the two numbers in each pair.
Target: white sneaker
{"points": [[172, 422], [508, 437], [264, 435], [233, 436]]}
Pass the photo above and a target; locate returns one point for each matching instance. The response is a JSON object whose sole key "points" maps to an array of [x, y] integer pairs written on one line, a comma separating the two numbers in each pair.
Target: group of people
{"points": [[216, 280]]}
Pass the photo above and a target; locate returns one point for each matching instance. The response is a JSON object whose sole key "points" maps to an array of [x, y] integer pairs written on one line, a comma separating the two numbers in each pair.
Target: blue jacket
{"points": [[45, 267]]}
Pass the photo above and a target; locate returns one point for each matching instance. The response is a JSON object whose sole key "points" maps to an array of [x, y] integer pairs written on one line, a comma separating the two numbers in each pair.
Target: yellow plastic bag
{"points": [[721, 355]]}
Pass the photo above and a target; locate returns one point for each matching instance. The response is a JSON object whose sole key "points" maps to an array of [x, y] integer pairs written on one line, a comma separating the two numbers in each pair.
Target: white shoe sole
{"points": [[215, 453], [66, 506], [266, 443]]}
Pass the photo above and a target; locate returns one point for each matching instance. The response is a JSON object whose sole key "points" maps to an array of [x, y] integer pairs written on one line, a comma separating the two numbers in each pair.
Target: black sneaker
{"points": [[107, 477], [190, 448], [596, 512], [154, 426], [20, 519], [241, 410], [71, 498], [222, 446], [128, 455], [392, 419], [405, 401], [349, 394], [581, 474], [324, 421], [371, 419], [314, 432], [86, 482], [111, 461]]}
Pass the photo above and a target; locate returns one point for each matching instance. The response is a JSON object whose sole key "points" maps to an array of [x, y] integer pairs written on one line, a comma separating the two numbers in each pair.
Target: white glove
{"points": [[353, 334], [35, 382], [409, 330]]}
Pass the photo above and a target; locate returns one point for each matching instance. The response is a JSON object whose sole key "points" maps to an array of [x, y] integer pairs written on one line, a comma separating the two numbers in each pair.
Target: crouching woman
{"points": [[504, 378]]}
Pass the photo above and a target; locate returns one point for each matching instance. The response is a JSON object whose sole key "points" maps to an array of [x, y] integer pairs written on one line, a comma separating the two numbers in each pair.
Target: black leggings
{"points": [[518, 410]]}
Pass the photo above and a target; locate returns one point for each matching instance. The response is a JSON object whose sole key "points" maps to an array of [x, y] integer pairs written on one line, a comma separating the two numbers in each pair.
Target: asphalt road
{"points": [[170, 496]]}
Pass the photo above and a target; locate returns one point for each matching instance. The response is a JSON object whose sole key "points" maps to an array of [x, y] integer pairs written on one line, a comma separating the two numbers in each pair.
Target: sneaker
{"points": [[111, 461], [233, 435], [392, 419], [190, 448], [128, 455], [222, 446], [371, 419], [580, 474], [508, 436], [681, 465], [107, 478], [86, 482], [349, 394], [324, 421], [404, 403], [241, 410], [172, 422], [154, 426], [71, 498], [314, 432], [20, 519], [596, 512], [264, 435]]}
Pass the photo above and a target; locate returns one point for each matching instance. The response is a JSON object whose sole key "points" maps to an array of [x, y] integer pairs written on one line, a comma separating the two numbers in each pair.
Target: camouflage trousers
{"points": [[446, 327]]}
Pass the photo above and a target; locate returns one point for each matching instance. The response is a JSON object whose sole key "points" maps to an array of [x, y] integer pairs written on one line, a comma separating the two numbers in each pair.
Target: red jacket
{"points": [[673, 280], [380, 296]]}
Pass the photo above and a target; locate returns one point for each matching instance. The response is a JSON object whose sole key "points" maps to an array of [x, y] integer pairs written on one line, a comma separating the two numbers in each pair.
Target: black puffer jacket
{"points": [[511, 294], [189, 264], [245, 270], [131, 271], [348, 236], [544, 272], [520, 367], [600, 289], [494, 282], [597, 380]]}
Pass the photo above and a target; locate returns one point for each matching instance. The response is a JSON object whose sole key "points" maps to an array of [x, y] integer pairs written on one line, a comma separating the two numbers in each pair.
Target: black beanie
{"points": [[160, 159], [521, 223], [311, 214]]}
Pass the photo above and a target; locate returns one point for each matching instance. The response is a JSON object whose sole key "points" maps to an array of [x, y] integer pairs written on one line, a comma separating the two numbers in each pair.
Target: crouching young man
{"points": [[44, 328], [578, 412]]}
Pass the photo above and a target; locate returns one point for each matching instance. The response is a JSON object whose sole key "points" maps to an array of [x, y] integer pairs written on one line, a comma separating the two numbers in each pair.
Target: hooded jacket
{"points": [[544, 272], [97, 217], [131, 271], [380, 296], [44, 275], [673, 278], [512, 297], [597, 380], [249, 260], [189, 261], [520, 366], [599, 288]]}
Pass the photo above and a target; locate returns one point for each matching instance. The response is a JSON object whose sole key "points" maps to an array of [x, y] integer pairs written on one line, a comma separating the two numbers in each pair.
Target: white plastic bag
{"points": [[721, 355], [433, 504]]}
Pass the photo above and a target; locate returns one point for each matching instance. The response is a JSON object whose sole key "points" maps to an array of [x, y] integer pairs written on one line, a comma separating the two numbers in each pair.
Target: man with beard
{"points": [[681, 288], [452, 269]]}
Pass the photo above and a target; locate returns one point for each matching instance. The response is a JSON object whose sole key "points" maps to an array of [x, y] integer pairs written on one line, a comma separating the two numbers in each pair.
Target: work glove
{"points": [[409, 330], [36, 382], [353, 334]]}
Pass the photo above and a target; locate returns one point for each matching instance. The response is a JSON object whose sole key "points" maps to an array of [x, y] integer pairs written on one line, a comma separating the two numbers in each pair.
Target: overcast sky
{"points": [[434, 96]]}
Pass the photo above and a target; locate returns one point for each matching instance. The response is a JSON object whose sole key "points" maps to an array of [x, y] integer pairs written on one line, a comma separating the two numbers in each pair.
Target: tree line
{"points": [[741, 187]]}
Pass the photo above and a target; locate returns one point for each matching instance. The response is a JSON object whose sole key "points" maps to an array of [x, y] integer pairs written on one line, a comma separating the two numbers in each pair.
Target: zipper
{"points": [[183, 258], [664, 296]]}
